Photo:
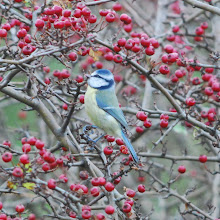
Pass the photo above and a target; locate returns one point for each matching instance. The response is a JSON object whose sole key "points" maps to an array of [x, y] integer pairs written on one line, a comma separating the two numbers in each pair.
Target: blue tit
{"points": [[101, 105]]}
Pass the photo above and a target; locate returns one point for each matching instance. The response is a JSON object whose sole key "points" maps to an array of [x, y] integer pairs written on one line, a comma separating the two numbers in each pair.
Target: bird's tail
{"points": [[130, 147]]}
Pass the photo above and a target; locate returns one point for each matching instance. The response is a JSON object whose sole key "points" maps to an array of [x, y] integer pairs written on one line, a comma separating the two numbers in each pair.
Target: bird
{"points": [[102, 107]]}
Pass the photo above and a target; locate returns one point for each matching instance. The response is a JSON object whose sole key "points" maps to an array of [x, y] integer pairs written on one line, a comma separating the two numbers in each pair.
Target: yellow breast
{"points": [[98, 116]]}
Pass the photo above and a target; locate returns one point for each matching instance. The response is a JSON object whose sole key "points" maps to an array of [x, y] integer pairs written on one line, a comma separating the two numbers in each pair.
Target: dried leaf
{"points": [[11, 185], [95, 54], [29, 185]]}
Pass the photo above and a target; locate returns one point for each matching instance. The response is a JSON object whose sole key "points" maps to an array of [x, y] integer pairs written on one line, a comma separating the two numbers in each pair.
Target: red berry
{"points": [[7, 143], [110, 138], [64, 178], [141, 188], [118, 78], [199, 31], [164, 69], [3, 33], [209, 69], [79, 79], [7, 157], [95, 191], [86, 214], [190, 101], [39, 144], [130, 193], [83, 175], [119, 141], [196, 81], [77, 13], [129, 201], [24, 159], [208, 91], [92, 19], [83, 51], [117, 58], [100, 216], [216, 86], [17, 172], [27, 50], [51, 183], [125, 18], [82, 99], [206, 77], [86, 207], [102, 181], [139, 130], [124, 149], [22, 114], [154, 42], [168, 48], [26, 148], [181, 169], [126, 208], [145, 42], [32, 217], [108, 150], [128, 27], [211, 117], [203, 158], [72, 56], [147, 124], [164, 116], [72, 214], [150, 50], [99, 65], [19, 208], [95, 181], [109, 210], [117, 6], [45, 167], [108, 56], [174, 79], [171, 37], [204, 25], [164, 123], [21, 33], [136, 48], [6, 26], [176, 28], [109, 186], [86, 12], [103, 12], [66, 13], [3, 216], [110, 17], [141, 115], [65, 106], [122, 42], [32, 140], [1, 206], [39, 23]]}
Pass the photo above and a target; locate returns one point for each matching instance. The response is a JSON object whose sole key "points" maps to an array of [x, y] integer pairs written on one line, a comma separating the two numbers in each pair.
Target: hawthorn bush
{"points": [[165, 60]]}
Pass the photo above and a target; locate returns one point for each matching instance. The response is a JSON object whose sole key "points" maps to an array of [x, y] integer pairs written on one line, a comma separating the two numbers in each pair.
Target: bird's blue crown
{"points": [[101, 79]]}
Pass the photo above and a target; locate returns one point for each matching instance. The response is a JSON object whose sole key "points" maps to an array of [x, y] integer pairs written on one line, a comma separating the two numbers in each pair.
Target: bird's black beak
{"points": [[88, 75]]}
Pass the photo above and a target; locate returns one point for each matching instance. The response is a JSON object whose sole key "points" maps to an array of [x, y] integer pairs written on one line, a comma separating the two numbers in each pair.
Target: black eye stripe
{"points": [[98, 76]]}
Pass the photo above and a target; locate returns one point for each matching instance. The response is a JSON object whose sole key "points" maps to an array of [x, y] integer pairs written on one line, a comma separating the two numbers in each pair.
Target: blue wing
{"points": [[130, 147], [107, 101]]}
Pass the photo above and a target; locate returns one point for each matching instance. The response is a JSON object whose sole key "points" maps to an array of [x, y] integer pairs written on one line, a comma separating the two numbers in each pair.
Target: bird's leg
{"points": [[88, 128], [99, 138], [86, 133]]}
